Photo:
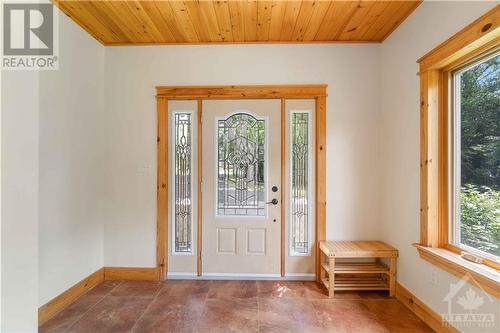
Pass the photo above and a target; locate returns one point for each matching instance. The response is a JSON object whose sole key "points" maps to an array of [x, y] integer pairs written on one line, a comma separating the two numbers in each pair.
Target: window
{"points": [[241, 141], [183, 182], [300, 174], [459, 153], [475, 187]]}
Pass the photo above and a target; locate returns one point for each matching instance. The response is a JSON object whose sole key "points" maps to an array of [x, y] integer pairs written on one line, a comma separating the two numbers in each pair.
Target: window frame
{"points": [[435, 69]]}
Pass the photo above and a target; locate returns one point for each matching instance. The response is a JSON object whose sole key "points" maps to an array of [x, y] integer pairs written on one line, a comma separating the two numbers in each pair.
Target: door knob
{"points": [[273, 202]]}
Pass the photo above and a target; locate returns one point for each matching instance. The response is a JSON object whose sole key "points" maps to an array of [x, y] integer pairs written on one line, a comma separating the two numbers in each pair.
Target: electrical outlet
{"points": [[434, 277], [144, 170]]}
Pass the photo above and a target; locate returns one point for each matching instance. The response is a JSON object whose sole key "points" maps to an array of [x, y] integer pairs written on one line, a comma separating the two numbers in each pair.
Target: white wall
{"points": [[431, 24], [19, 186], [52, 172], [131, 74], [72, 163]]}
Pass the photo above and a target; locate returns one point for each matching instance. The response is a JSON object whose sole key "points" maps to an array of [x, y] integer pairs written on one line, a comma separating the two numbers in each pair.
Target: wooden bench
{"points": [[339, 272]]}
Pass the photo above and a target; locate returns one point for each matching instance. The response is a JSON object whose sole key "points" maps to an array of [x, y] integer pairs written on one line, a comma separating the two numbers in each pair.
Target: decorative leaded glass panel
{"points": [[299, 195], [240, 181], [182, 182]]}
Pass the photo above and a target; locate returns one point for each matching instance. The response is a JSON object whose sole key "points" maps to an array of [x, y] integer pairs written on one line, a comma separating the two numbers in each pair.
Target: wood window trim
{"points": [[200, 93], [435, 69]]}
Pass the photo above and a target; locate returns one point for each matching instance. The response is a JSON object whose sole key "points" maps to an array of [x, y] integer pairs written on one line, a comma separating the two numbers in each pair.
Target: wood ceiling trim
{"points": [[135, 22]]}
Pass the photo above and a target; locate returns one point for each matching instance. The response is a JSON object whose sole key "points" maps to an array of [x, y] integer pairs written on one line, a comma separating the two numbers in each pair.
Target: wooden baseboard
{"points": [[58, 303], [419, 308], [63, 300], [51, 308], [131, 273]]}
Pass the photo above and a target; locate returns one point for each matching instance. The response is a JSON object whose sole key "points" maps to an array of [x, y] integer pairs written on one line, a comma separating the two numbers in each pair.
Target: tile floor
{"points": [[230, 306]]}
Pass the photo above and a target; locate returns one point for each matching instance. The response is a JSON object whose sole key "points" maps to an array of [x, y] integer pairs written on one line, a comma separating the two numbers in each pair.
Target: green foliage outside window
{"points": [[480, 218], [480, 156]]}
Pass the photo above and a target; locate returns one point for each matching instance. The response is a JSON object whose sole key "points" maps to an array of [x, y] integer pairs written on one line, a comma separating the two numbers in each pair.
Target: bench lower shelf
{"points": [[351, 284]]}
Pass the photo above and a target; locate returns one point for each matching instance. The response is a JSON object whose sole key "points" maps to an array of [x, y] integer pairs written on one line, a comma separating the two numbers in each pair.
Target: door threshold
{"points": [[241, 276]]}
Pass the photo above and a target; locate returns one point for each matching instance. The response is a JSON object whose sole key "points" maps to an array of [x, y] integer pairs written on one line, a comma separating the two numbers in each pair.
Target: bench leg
{"points": [[322, 272], [331, 277], [392, 277]]}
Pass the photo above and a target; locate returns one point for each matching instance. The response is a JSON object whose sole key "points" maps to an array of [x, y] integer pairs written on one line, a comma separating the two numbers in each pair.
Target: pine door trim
{"points": [[318, 92]]}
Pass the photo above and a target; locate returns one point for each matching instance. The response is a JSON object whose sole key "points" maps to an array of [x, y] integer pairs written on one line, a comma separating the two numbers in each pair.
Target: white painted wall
{"points": [[431, 24], [19, 186], [72, 163], [53, 165], [131, 74]]}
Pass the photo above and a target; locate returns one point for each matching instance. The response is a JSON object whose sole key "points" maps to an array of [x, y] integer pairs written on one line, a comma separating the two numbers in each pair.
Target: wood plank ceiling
{"points": [[189, 22]]}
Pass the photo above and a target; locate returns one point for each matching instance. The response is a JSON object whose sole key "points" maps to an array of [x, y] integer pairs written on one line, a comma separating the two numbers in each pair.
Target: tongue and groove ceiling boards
{"points": [[193, 22]]}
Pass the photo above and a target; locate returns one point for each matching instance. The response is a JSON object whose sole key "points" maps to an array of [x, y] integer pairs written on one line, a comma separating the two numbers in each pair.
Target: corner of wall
{"points": [[72, 162], [400, 138]]}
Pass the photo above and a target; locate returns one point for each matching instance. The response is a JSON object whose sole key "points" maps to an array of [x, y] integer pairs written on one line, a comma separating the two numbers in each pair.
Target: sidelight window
{"points": [[183, 179], [300, 166]]}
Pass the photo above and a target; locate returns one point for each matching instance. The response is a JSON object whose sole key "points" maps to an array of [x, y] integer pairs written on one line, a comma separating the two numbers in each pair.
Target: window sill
{"points": [[486, 277]]}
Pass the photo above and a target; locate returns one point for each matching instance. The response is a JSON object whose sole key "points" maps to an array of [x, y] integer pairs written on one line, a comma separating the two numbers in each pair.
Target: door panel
{"points": [[241, 163], [256, 241]]}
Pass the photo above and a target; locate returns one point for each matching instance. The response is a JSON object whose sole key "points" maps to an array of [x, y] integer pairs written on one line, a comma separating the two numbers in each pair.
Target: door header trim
{"points": [[242, 92]]}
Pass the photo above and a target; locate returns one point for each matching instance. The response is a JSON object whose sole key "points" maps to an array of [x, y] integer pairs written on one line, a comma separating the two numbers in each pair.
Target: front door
{"points": [[241, 185]]}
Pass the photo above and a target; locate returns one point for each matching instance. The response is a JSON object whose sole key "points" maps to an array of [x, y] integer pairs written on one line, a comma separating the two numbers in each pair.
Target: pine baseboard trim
{"points": [[63, 300], [421, 310], [132, 273]]}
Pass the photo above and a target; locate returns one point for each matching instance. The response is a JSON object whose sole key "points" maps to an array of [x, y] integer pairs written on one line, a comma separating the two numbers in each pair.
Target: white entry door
{"points": [[241, 186]]}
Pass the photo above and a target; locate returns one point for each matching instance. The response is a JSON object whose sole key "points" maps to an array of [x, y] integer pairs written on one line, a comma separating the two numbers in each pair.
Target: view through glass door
{"points": [[241, 187]]}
